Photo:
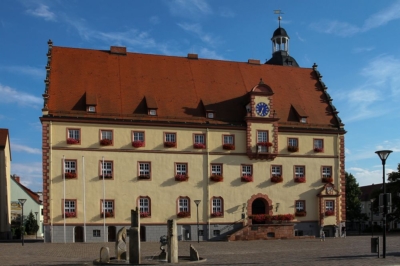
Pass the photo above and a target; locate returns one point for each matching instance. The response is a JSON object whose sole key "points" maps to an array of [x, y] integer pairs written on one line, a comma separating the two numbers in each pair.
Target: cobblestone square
{"points": [[354, 250]]}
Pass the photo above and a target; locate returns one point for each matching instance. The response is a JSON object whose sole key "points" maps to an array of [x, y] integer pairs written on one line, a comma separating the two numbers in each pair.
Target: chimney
{"points": [[193, 56], [16, 178], [118, 50]]}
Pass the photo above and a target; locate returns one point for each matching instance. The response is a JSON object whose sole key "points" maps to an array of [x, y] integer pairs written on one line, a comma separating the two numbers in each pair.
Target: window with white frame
{"points": [[229, 139], [70, 166], [144, 169], [170, 137], [138, 136], [216, 169], [326, 171], [329, 205], [300, 205], [181, 168], [262, 137], [217, 205], [199, 138], [276, 170], [108, 206], [247, 170], [106, 134], [293, 142], [70, 206], [144, 205], [106, 168], [183, 204], [96, 233], [74, 134], [299, 171], [319, 144]]}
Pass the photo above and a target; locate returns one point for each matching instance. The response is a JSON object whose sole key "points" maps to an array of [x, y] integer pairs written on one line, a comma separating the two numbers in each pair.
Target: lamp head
{"points": [[383, 154], [22, 201], [197, 202]]}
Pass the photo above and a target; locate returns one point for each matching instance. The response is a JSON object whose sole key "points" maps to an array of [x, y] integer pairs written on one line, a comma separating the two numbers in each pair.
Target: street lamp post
{"points": [[198, 230], [372, 215], [36, 213], [383, 155], [22, 201]]}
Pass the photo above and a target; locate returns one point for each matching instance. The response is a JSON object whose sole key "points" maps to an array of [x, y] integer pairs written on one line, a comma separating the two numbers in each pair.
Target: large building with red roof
{"points": [[244, 139]]}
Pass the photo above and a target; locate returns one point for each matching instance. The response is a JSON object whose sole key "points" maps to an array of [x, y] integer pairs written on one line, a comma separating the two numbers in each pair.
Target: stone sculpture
{"points": [[120, 245]]}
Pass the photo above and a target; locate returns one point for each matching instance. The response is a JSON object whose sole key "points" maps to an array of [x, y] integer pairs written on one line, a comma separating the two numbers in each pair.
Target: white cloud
{"points": [[367, 177], [10, 95], [363, 49], [25, 70], [30, 174], [42, 11], [383, 17], [189, 9], [154, 20], [298, 37], [226, 12], [335, 27], [22, 148], [206, 53], [198, 31]]}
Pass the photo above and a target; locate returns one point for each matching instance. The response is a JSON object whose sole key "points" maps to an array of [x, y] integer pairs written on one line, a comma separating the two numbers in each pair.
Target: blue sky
{"points": [[355, 44]]}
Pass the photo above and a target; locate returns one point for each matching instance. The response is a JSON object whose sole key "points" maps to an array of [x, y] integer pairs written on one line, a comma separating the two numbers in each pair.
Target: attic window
{"points": [[152, 112], [91, 109], [303, 120], [210, 115]]}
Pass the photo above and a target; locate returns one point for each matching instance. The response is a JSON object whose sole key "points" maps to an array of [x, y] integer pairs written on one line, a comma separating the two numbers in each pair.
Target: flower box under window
{"points": [[217, 214], [318, 150], [70, 175], [144, 214], [181, 177], [169, 144], [183, 214], [300, 180], [216, 178], [105, 142], [199, 146], [329, 213], [265, 144], [106, 176], [144, 176], [72, 141], [300, 213], [327, 179], [137, 143], [293, 148], [277, 179], [108, 214], [228, 146], [70, 214], [247, 178], [260, 218]]}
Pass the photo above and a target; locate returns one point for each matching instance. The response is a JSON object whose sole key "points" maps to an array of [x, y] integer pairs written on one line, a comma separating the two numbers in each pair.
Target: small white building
{"points": [[33, 203]]}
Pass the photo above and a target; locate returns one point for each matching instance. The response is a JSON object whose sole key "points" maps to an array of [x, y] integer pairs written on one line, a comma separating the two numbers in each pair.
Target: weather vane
{"points": [[279, 12]]}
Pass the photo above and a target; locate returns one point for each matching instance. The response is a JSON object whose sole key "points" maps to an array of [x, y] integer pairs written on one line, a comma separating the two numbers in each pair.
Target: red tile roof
{"points": [[3, 137], [32, 194], [123, 83]]}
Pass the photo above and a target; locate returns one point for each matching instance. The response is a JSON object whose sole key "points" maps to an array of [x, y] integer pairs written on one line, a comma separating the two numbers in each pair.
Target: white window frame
{"points": [[144, 169], [300, 171], [229, 139], [276, 170], [181, 169], [216, 169], [106, 168], [70, 166], [326, 171], [138, 136], [216, 205], [293, 142], [170, 137], [247, 170], [199, 138], [108, 206], [300, 205], [107, 134], [262, 136], [69, 206], [184, 205], [74, 134], [319, 143], [144, 205], [329, 205]]}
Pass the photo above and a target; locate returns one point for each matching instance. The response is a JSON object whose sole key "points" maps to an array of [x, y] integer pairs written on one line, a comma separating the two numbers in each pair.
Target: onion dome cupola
{"points": [[280, 48]]}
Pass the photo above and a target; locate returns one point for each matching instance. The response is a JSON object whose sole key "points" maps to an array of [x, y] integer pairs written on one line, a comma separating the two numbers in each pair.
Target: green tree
{"points": [[393, 187], [31, 226], [353, 202]]}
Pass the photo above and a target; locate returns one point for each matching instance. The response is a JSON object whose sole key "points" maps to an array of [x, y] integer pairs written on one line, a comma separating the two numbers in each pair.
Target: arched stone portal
{"points": [[259, 204]]}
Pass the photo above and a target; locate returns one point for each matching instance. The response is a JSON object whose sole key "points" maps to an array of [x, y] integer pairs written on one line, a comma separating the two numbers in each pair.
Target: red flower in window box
{"points": [[106, 176], [247, 178], [70, 175], [276, 179], [72, 141], [137, 143], [327, 179], [144, 176], [170, 144], [228, 146], [144, 214], [259, 218], [108, 214], [181, 177], [292, 148], [183, 214], [216, 214], [217, 178], [318, 150], [69, 214], [265, 144], [300, 213], [199, 146], [105, 142], [300, 180], [329, 213]]}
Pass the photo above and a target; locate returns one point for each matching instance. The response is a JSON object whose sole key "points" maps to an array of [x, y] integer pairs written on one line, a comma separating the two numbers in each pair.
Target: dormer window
{"points": [[91, 109], [303, 120], [210, 115], [152, 112], [248, 108]]}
